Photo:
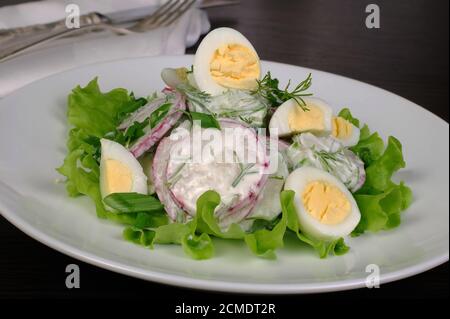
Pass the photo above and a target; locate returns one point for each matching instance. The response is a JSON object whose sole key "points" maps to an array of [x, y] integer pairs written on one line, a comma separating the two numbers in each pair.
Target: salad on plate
{"points": [[225, 151]]}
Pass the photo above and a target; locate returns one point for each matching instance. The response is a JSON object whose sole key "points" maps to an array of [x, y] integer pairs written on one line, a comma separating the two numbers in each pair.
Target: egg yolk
{"points": [[325, 202], [118, 177], [235, 66], [312, 119], [341, 128]]}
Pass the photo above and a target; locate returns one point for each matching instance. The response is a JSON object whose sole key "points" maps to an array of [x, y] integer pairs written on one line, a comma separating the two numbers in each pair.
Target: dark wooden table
{"points": [[408, 55]]}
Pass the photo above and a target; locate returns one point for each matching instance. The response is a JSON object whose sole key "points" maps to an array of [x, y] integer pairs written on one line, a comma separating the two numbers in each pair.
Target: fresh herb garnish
{"points": [[207, 120], [176, 176], [131, 107], [133, 203], [326, 159], [132, 133], [244, 171], [158, 115], [199, 100], [278, 178], [268, 88]]}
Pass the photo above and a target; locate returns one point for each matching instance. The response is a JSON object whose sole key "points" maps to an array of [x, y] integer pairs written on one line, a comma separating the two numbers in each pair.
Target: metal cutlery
{"points": [[19, 40]]}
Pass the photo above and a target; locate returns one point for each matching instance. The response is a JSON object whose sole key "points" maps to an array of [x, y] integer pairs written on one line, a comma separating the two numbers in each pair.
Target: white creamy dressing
{"points": [[269, 205], [189, 177], [340, 162]]}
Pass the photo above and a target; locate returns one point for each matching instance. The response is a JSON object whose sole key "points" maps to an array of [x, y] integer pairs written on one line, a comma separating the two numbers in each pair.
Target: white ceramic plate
{"points": [[32, 143]]}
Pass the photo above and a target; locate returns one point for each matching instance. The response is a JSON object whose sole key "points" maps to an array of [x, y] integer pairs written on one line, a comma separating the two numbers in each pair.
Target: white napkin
{"points": [[65, 54]]}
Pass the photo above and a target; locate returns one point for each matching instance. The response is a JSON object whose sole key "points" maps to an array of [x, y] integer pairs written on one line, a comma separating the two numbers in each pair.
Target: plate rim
{"points": [[205, 284], [213, 285]]}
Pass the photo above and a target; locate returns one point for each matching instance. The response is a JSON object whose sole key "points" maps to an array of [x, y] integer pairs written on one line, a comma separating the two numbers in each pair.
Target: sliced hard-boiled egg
{"points": [[120, 171], [345, 132], [325, 207], [290, 118], [225, 60]]}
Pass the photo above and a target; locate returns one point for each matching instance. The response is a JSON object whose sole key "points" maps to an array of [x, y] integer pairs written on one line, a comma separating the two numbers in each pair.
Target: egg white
{"points": [[297, 181], [352, 140], [205, 52], [279, 124], [111, 150]]}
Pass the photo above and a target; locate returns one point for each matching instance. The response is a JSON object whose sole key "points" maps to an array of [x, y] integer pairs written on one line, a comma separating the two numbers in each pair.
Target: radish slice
{"points": [[156, 134], [159, 168], [268, 206], [187, 179], [142, 113]]}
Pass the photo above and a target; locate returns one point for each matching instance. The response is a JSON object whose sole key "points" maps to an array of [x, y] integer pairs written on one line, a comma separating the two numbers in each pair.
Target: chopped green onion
{"points": [[133, 203]]}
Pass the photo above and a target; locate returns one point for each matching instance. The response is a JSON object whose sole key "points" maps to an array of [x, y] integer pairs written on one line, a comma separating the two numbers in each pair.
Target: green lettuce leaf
{"points": [[143, 237], [92, 115], [264, 242], [198, 247], [173, 233], [380, 200], [194, 236], [382, 211], [370, 146], [379, 173], [195, 242], [322, 247], [206, 221], [144, 220], [97, 113], [347, 115]]}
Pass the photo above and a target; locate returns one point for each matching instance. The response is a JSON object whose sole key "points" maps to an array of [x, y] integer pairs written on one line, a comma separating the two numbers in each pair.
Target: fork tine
{"points": [[177, 14], [173, 9], [155, 15], [172, 5], [163, 8]]}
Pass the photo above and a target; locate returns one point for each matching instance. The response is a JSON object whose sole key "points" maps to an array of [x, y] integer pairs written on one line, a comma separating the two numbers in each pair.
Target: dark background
{"points": [[408, 55]]}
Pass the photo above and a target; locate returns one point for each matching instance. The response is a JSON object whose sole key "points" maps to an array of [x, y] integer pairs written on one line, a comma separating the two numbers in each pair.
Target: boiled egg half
{"points": [[120, 171], [290, 118], [225, 60], [345, 132], [325, 208]]}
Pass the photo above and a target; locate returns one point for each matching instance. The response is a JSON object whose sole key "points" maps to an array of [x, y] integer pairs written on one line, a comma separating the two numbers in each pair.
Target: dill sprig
{"points": [[196, 98], [244, 171], [326, 159], [268, 88], [176, 176]]}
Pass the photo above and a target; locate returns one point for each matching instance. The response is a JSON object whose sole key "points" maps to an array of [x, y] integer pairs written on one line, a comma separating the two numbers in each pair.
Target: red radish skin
{"points": [[159, 168], [242, 208], [155, 135], [141, 114]]}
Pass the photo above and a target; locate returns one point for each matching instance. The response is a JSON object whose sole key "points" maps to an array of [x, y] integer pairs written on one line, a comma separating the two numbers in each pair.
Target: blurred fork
{"points": [[164, 16]]}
